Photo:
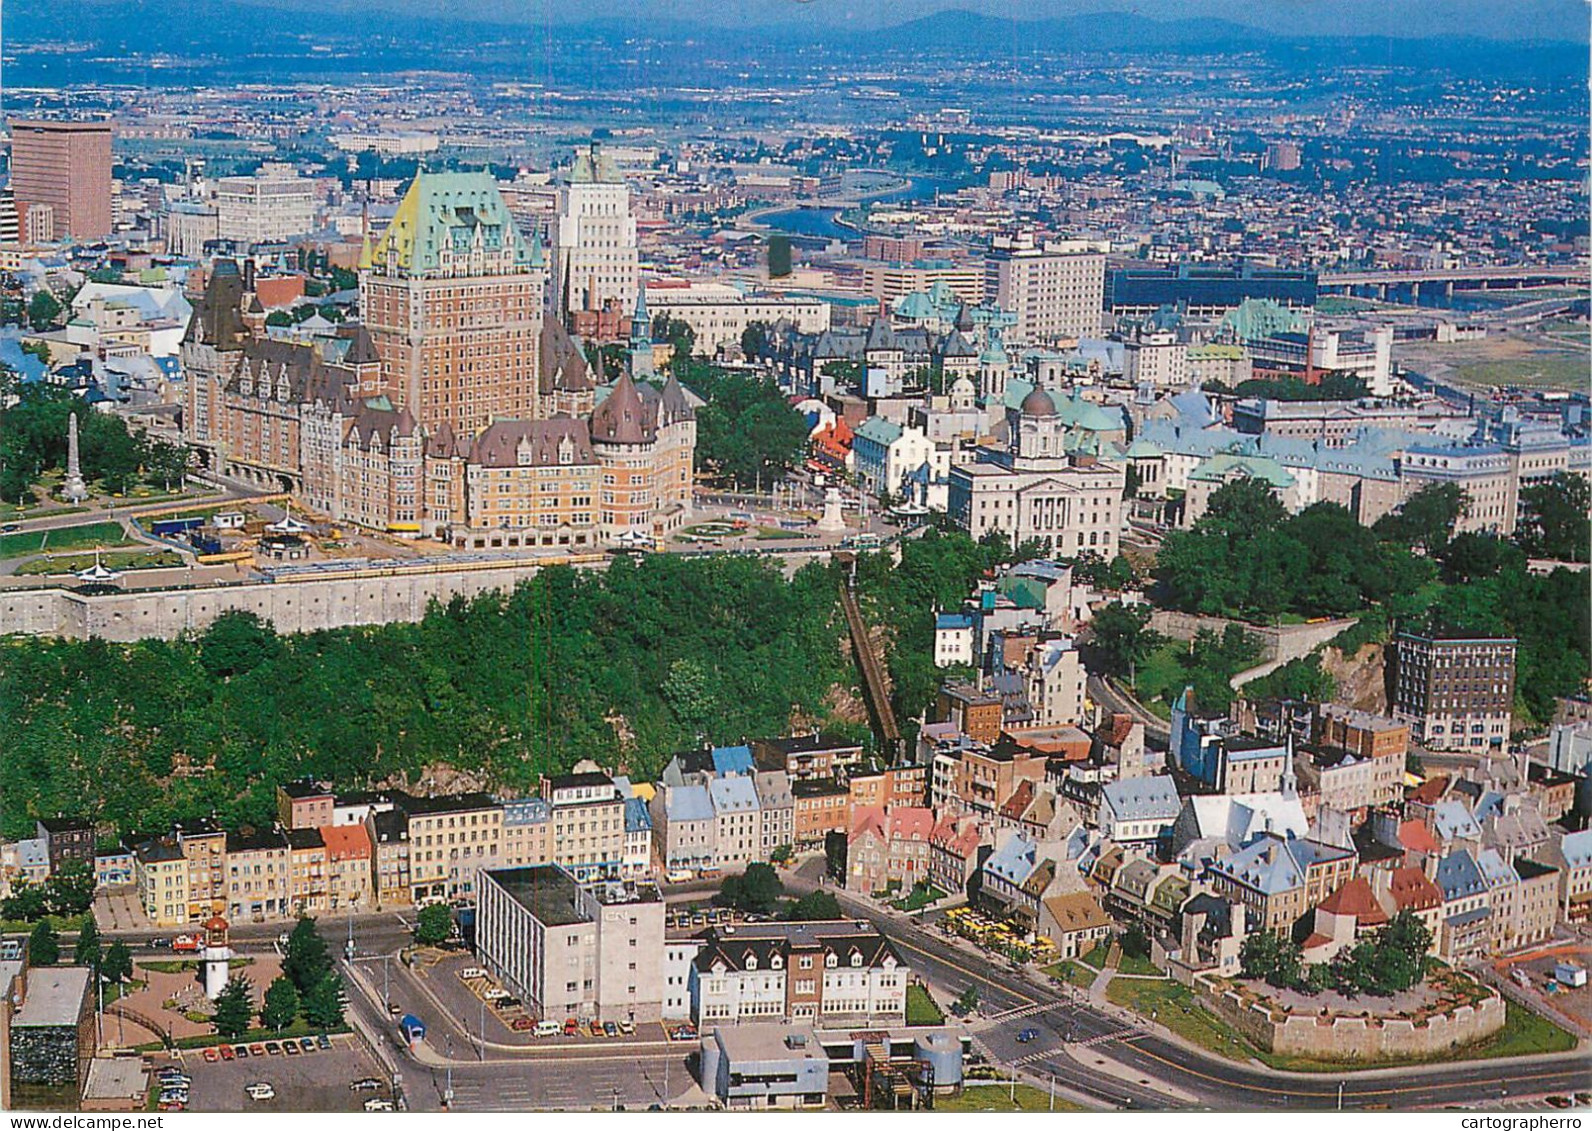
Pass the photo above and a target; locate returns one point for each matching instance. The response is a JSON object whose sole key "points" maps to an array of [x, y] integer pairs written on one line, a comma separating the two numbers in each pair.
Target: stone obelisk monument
{"points": [[74, 488]]}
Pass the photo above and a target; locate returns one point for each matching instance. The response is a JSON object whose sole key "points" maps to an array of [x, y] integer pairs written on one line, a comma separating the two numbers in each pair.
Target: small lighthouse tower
{"points": [[215, 961]]}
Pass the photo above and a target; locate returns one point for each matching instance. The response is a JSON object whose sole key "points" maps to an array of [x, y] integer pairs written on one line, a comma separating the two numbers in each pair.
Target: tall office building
{"points": [[1455, 693], [1056, 290], [452, 296], [66, 167], [273, 205], [596, 237]]}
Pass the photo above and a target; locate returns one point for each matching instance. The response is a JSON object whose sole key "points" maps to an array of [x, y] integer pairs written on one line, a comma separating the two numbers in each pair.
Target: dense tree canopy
{"points": [[571, 665], [1247, 557], [1556, 518], [747, 433]]}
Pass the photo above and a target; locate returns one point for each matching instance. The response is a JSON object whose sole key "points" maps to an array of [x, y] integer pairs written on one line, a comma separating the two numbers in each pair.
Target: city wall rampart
{"points": [[291, 606]]}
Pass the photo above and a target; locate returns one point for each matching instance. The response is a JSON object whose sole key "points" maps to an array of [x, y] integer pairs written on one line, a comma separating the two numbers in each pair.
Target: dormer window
{"points": [[831, 961], [751, 962], [856, 958], [776, 963]]}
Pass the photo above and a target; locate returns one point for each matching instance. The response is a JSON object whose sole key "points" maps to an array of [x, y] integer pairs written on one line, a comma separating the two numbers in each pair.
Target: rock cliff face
{"points": [[1362, 678]]}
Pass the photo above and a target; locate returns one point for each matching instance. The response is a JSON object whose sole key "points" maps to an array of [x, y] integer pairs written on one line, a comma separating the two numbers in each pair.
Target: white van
{"points": [[470, 972], [679, 876], [548, 1029]]}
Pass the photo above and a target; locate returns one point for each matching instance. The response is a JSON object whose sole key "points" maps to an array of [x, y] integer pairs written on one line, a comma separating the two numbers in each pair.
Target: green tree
{"points": [[70, 891], [324, 1004], [279, 318], [43, 309], [117, 965], [815, 906], [1554, 518], [281, 1004], [236, 643], [754, 340], [433, 925], [968, 1002], [1426, 519], [757, 889], [747, 433], [1120, 637], [305, 959], [233, 1008], [87, 951], [781, 853], [44, 945], [779, 257]]}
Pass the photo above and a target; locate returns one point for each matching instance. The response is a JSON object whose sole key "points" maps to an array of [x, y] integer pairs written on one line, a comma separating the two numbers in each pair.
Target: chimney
{"points": [[248, 274]]}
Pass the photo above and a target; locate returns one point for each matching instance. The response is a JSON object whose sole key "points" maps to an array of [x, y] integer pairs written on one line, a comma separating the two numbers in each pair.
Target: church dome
{"points": [[1038, 403]]}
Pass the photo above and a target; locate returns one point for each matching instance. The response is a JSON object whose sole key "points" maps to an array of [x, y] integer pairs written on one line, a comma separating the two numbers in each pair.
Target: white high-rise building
{"points": [[1055, 291], [596, 237], [274, 204]]}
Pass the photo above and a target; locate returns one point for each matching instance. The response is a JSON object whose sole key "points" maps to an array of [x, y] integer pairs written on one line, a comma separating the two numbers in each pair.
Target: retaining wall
{"points": [[1346, 1038], [291, 606]]}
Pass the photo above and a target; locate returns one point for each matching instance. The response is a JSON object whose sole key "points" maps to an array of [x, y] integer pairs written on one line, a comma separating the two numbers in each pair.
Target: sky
{"points": [[1492, 19]]}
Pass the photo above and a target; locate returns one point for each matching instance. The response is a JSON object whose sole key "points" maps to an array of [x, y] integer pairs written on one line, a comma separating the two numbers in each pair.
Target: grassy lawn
{"points": [[124, 559], [998, 1097], [299, 1028], [1545, 370], [1176, 1007], [1097, 956], [178, 965], [1160, 673], [67, 538], [63, 925], [1137, 964], [774, 533], [918, 898], [921, 1007], [37, 510], [1068, 971]]}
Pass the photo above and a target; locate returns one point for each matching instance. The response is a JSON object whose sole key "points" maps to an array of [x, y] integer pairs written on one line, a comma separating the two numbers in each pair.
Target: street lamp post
{"points": [[481, 1031]]}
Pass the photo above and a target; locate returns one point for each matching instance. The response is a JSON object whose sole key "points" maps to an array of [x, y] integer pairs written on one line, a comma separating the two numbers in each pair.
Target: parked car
{"points": [[273, 1047], [307, 1044], [547, 1028], [627, 1027], [367, 1084], [241, 1051], [226, 1052], [610, 1029], [1027, 1035], [212, 1055], [470, 972], [159, 944], [256, 1050], [290, 1047], [323, 1042], [571, 1027], [378, 1105], [683, 1033], [261, 1091], [522, 1024], [595, 1028]]}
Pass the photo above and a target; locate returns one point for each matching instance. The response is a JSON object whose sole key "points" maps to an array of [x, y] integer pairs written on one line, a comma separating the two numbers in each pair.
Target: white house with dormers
{"points": [[832, 972]]}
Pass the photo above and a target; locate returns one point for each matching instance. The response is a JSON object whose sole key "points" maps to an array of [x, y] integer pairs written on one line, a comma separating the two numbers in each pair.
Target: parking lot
{"points": [[464, 1001], [316, 1081]]}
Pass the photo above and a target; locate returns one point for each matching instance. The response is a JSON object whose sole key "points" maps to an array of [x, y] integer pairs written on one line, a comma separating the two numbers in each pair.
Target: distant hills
{"points": [[384, 40]]}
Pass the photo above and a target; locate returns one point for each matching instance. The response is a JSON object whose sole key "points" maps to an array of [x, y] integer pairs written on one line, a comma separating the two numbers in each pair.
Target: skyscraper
{"points": [[596, 237], [1055, 289], [67, 167], [452, 296]]}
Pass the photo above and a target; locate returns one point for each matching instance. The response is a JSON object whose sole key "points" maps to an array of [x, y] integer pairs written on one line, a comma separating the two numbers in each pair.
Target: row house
{"points": [[822, 807], [1572, 855], [738, 832], [588, 821], [806, 757], [777, 804], [309, 877], [389, 843], [257, 876], [450, 840], [956, 848], [527, 837], [348, 865], [1278, 879], [685, 826], [204, 847], [833, 972], [889, 846]]}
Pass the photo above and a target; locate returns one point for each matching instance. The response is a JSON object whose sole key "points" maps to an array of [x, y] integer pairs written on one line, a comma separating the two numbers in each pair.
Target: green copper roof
{"points": [[1224, 465], [1257, 318], [447, 213]]}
